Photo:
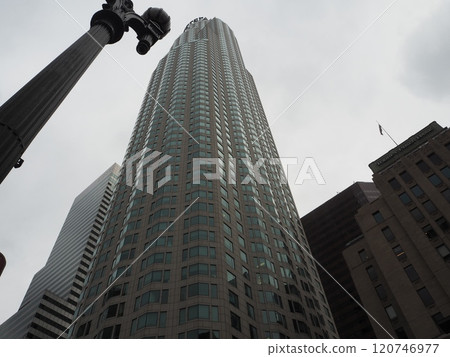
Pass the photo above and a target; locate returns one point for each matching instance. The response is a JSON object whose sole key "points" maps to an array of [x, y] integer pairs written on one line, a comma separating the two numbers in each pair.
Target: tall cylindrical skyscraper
{"points": [[203, 239]]}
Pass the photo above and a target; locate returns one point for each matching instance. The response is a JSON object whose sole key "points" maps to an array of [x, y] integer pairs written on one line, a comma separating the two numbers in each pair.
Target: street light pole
{"points": [[25, 113]]}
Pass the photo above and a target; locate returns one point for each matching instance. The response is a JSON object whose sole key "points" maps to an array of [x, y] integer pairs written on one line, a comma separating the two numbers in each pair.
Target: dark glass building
{"points": [[329, 228], [209, 247]]}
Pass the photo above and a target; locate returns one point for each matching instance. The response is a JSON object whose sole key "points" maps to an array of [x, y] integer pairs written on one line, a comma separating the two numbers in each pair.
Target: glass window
{"points": [[363, 255], [435, 180], [391, 312], [224, 192], [401, 333], [404, 197], [417, 191], [438, 318], [372, 273], [243, 256], [214, 314], [378, 217], [253, 332], [417, 214], [395, 184], [381, 292], [443, 251], [398, 251], [411, 272], [425, 296], [203, 311], [230, 260], [162, 319], [228, 244], [430, 207], [423, 166], [236, 203], [213, 271], [203, 269], [225, 203], [442, 223], [235, 321], [435, 159], [214, 291], [198, 289], [405, 176], [212, 252], [231, 278], [446, 171], [248, 291], [183, 273], [149, 319], [227, 229], [245, 273], [429, 231], [166, 277], [388, 234], [446, 194], [250, 311], [183, 293], [193, 312], [198, 312], [233, 299], [226, 216]]}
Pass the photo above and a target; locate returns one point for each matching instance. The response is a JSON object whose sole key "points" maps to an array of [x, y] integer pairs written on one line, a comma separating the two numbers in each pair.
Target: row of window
{"points": [[156, 258], [429, 232], [195, 312], [149, 319], [199, 269], [150, 297], [413, 276]]}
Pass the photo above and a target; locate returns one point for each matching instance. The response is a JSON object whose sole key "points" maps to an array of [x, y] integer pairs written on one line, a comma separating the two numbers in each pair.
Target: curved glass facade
{"points": [[227, 267]]}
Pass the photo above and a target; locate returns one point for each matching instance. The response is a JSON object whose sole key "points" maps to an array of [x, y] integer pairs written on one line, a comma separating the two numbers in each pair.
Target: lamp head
{"points": [[158, 16]]}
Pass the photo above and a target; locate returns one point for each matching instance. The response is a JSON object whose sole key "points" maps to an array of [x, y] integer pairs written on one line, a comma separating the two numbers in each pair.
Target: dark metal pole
{"points": [[24, 114], [2, 263]]}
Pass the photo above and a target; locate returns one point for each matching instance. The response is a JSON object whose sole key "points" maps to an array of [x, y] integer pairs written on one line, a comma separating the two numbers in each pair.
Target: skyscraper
{"points": [[217, 250], [400, 265], [51, 299], [329, 228]]}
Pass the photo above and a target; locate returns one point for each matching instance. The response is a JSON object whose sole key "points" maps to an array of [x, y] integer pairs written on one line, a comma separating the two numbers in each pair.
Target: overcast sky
{"points": [[396, 73]]}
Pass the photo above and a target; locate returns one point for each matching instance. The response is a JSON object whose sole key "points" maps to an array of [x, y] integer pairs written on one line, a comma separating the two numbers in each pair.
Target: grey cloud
{"points": [[427, 56]]}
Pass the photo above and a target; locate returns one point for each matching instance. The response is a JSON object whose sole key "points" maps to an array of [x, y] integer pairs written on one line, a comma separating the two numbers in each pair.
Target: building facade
{"points": [[329, 228], [214, 248], [401, 266], [50, 302]]}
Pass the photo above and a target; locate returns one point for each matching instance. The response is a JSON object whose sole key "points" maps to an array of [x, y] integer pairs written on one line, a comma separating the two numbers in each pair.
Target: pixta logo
{"points": [[288, 170], [141, 167]]}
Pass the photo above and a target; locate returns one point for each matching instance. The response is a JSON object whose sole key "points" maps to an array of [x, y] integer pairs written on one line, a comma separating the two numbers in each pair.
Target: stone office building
{"points": [[401, 266]]}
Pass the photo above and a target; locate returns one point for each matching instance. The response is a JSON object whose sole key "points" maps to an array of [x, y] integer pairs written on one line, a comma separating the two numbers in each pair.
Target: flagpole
{"points": [[384, 130]]}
